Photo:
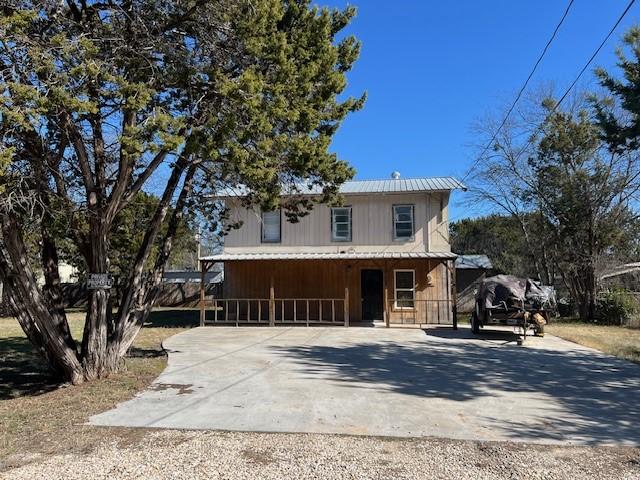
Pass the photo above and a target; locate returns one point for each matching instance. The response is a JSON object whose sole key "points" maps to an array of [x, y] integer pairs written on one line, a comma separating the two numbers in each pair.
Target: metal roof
{"points": [[354, 187], [226, 257], [622, 270], [473, 262]]}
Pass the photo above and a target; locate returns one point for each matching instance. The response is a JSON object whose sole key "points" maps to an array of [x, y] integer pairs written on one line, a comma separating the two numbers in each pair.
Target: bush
{"points": [[616, 307]]}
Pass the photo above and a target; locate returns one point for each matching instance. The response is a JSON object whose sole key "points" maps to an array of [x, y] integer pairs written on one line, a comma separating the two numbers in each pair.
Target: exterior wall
{"points": [[328, 279], [467, 282], [372, 227]]}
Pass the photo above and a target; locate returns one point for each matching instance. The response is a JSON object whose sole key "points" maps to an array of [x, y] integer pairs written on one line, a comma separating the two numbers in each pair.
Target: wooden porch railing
{"points": [[274, 311], [422, 311]]}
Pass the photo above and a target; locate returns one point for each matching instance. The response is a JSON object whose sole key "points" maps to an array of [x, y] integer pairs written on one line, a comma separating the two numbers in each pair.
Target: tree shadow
{"points": [[22, 371], [173, 319], [589, 397], [137, 352]]}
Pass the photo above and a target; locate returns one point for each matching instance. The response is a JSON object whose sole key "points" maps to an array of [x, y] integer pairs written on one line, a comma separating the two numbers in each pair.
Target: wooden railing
{"points": [[421, 311], [301, 311]]}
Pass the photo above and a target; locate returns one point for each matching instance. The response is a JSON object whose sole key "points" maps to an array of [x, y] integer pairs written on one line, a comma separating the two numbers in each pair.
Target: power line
{"points": [[522, 89], [575, 81], [568, 90], [586, 65]]}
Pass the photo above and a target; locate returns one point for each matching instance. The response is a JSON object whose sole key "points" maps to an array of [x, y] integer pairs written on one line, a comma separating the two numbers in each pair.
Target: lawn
{"points": [[38, 416], [621, 342]]}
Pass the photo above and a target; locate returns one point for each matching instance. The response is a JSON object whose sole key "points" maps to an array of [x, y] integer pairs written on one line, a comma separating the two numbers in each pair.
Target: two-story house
{"points": [[383, 256]]}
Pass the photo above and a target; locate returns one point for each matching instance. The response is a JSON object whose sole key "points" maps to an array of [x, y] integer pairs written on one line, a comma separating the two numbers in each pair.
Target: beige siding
{"points": [[372, 227]]}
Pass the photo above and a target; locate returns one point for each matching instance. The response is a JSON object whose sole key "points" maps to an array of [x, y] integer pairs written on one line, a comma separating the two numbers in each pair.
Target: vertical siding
{"points": [[328, 278], [372, 227]]}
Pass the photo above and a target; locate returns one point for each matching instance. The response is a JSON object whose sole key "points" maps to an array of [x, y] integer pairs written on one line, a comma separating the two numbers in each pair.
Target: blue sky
{"points": [[433, 68]]}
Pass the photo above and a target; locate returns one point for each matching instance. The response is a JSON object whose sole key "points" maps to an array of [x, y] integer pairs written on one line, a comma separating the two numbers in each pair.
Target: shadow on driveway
{"points": [[595, 397]]}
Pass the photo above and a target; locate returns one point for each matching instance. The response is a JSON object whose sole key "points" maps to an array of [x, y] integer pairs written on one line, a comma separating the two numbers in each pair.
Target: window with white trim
{"points": [[341, 224], [404, 289], [402, 222], [271, 226]]}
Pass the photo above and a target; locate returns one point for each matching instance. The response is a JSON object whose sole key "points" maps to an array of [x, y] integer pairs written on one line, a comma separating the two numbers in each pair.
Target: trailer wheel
{"points": [[475, 324]]}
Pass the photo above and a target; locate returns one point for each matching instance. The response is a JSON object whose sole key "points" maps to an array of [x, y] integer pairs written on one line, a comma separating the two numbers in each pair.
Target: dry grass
{"points": [[39, 416], [621, 342]]}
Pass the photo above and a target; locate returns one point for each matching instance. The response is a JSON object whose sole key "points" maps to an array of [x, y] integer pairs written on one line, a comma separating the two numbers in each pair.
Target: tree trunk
{"points": [[52, 340], [96, 354], [136, 318]]}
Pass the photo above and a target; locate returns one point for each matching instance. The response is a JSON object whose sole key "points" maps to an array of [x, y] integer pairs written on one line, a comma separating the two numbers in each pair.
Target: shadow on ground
{"points": [[22, 371], [596, 395], [173, 319]]}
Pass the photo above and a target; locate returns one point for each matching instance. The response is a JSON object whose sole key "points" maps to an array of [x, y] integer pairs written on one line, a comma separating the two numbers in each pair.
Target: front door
{"points": [[371, 289]]}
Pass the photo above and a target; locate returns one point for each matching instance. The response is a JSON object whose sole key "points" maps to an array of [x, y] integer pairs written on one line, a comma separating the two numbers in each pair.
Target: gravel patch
{"points": [[172, 454]]}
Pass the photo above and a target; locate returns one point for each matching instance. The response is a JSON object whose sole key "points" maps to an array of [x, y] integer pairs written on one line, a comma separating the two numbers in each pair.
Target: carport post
{"points": [[346, 306], [454, 295], [272, 304], [202, 296]]}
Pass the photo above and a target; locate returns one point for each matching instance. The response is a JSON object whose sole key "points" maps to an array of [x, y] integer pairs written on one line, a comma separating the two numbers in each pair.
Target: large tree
{"points": [[570, 175], [500, 238], [101, 99], [581, 190]]}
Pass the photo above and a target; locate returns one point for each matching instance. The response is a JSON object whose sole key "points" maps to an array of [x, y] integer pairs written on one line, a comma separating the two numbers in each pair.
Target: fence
{"points": [[301, 311], [422, 312]]}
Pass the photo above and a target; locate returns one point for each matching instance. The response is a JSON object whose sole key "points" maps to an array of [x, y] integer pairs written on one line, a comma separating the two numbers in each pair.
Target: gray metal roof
{"points": [[226, 257], [354, 187], [473, 262]]}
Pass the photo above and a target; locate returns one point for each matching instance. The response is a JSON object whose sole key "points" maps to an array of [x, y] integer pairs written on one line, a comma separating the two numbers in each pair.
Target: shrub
{"points": [[616, 307]]}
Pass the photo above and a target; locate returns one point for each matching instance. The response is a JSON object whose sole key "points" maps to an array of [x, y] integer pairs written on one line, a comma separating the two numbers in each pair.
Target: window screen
{"points": [[341, 224], [271, 226], [402, 222], [404, 288]]}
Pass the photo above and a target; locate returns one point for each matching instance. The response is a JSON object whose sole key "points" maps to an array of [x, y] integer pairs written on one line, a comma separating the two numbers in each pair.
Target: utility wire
{"points": [[571, 85], [522, 89], [586, 65]]}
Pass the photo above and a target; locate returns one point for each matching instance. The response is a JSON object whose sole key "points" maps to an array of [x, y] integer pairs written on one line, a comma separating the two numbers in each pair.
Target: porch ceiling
{"points": [[226, 257]]}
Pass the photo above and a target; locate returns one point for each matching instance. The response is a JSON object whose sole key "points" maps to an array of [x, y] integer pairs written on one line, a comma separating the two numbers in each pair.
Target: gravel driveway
{"points": [[191, 455], [389, 382]]}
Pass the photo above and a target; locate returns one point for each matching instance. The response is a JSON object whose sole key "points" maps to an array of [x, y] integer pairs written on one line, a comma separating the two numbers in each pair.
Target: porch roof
{"points": [[227, 257]]}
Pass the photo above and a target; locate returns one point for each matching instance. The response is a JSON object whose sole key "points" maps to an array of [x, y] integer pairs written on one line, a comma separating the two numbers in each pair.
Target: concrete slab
{"points": [[389, 382]]}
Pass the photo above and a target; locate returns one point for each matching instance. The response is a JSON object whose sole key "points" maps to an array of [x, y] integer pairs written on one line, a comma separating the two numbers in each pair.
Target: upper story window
{"points": [[402, 222], [341, 224], [271, 227], [440, 216]]}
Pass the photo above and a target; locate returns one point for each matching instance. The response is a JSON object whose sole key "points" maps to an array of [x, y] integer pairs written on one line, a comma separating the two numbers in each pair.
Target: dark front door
{"points": [[371, 288]]}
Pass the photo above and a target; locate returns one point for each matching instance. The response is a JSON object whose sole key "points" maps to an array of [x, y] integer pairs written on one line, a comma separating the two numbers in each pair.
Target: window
{"points": [[402, 222], [405, 290], [440, 218], [271, 226], [341, 224]]}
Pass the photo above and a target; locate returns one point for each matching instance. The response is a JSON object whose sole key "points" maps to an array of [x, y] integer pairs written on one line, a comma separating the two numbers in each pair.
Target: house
{"points": [[214, 275], [470, 271], [383, 256]]}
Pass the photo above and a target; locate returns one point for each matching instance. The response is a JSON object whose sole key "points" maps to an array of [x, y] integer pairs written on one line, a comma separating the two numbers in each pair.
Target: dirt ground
{"points": [[172, 454]]}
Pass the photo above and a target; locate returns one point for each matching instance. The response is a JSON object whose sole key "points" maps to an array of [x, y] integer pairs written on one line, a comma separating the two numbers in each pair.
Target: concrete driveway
{"points": [[389, 382]]}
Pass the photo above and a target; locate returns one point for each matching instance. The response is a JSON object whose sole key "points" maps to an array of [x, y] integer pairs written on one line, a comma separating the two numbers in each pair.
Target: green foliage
{"points": [[102, 100], [498, 236], [617, 116], [616, 307], [128, 234]]}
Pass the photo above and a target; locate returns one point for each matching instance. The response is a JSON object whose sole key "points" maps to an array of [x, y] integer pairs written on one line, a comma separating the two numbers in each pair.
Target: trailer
{"points": [[513, 301]]}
